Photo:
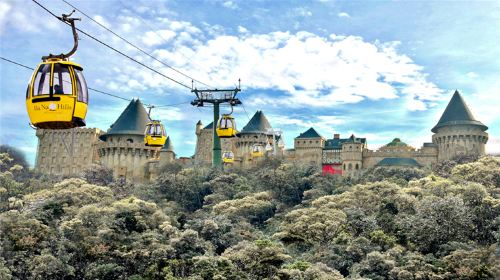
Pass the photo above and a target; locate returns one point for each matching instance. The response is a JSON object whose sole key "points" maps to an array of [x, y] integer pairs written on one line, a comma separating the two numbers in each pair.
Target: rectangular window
{"points": [[42, 80], [81, 86], [62, 80]]}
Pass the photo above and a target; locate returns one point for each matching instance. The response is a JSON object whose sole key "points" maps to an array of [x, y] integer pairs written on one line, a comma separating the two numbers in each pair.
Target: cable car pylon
{"points": [[216, 97]]}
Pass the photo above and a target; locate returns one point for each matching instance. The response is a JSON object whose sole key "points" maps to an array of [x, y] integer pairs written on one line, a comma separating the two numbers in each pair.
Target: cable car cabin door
{"points": [[52, 97]]}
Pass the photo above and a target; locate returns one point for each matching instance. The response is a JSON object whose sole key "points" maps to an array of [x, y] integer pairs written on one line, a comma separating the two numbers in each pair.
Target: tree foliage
{"points": [[283, 221]]}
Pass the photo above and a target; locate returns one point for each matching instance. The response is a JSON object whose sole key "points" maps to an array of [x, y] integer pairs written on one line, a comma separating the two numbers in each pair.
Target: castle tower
{"points": [[199, 125], [352, 156], [204, 142], [257, 131], [309, 147], [66, 152], [458, 133], [123, 149], [167, 154]]}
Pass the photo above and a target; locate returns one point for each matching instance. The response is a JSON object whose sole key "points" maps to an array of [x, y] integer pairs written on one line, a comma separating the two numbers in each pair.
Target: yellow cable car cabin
{"points": [[57, 95], [257, 150], [226, 127], [155, 134], [228, 157]]}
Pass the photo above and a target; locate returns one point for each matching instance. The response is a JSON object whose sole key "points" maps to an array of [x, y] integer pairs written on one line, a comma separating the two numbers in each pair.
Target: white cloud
{"points": [[242, 29], [493, 146], [303, 12], [102, 21], [343, 15], [323, 124], [153, 38], [313, 70], [18, 16], [472, 75], [230, 5], [4, 11]]}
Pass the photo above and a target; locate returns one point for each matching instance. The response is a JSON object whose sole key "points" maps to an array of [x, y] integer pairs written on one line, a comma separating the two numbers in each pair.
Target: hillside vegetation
{"points": [[279, 221]]}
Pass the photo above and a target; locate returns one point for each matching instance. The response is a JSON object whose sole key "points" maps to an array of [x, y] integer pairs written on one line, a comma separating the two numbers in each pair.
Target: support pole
{"points": [[216, 157]]}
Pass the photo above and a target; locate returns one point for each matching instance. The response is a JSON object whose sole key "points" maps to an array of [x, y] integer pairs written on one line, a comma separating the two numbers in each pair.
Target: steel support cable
{"points": [[116, 50], [93, 89], [189, 59], [135, 46]]}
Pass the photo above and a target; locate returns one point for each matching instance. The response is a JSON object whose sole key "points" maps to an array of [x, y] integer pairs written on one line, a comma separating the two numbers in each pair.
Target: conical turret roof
{"points": [[132, 121], [168, 145], [310, 133], [257, 124], [457, 113]]}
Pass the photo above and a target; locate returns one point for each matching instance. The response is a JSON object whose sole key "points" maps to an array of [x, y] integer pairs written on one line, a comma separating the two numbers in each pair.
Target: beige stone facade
{"points": [[66, 152], [121, 148]]}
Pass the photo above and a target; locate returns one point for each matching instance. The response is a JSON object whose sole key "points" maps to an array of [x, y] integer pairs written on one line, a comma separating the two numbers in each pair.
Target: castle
{"points": [[121, 148]]}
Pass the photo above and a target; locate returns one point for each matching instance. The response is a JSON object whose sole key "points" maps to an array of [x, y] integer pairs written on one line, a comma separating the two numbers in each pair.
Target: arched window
{"points": [[357, 166], [130, 140], [350, 166], [344, 166]]}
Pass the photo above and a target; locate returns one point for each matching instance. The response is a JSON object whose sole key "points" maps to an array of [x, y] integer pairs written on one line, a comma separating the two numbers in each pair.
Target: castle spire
{"points": [[457, 113]]}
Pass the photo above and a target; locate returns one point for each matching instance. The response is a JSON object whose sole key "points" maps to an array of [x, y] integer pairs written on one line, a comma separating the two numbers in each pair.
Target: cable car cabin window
{"points": [[62, 80], [158, 129], [151, 130], [222, 123], [28, 89], [81, 84], [42, 81], [163, 130], [229, 123]]}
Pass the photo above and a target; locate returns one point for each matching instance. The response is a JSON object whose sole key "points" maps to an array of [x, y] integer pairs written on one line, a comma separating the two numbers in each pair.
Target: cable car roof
{"points": [[131, 122]]}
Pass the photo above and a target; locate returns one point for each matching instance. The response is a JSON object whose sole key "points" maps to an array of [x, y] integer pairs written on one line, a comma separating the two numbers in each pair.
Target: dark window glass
{"points": [[28, 91], [42, 80], [83, 95], [62, 80], [158, 130]]}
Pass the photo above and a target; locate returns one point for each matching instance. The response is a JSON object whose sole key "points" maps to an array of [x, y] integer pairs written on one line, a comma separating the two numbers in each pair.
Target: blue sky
{"points": [[378, 69]]}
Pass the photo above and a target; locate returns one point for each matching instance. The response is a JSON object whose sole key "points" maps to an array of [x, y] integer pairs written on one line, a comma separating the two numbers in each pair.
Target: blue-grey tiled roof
{"points": [[132, 121], [457, 113], [404, 162], [310, 133], [334, 144]]}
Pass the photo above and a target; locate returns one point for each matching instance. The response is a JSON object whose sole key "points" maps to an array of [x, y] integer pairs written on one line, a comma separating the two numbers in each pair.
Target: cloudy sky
{"points": [[378, 69]]}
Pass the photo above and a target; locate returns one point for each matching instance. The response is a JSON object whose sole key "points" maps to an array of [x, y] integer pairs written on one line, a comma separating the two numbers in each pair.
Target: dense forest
{"points": [[278, 221]]}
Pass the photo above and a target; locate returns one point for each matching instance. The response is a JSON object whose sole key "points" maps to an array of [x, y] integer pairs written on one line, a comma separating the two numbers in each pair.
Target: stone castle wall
{"points": [[128, 157], [309, 150], [459, 140], [426, 156], [66, 152], [204, 142]]}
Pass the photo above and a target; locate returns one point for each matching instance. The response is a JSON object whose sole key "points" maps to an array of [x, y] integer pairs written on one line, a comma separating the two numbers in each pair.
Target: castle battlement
{"points": [[122, 149]]}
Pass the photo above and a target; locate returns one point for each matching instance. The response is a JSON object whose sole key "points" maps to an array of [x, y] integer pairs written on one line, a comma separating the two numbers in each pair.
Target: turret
{"points": [[352, 155], [458, 133], [309, 147], [199, 126], [167, 154]]}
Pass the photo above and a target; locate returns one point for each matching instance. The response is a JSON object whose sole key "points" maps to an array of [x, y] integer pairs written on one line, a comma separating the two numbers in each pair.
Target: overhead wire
{"points": [[97, 90], [135, 46], [116, 50], [153, 29]]}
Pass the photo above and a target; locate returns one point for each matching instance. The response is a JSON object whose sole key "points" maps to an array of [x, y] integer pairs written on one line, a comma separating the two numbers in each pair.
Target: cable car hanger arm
{"points": [[71, 22]]}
